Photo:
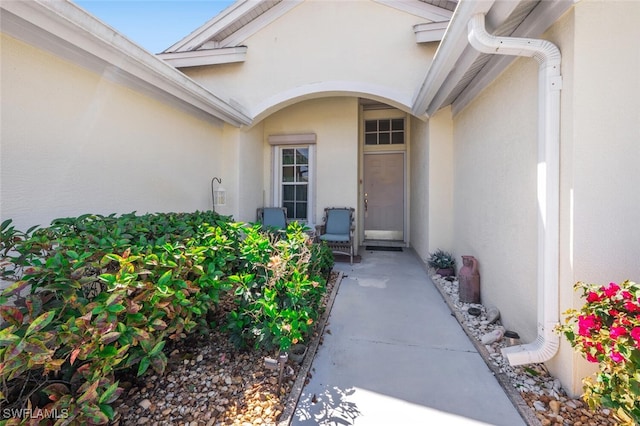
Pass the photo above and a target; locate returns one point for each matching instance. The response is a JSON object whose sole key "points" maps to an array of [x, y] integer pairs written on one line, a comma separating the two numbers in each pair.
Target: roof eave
{"points": [[67, 31], [455, 56], [198, 58]]}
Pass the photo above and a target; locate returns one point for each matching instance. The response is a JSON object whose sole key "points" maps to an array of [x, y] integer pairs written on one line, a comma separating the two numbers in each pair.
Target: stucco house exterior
{"points": [[523, 154]]}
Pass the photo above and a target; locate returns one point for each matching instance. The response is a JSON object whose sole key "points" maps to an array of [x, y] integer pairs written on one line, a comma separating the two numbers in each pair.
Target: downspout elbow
{"points": [[548, 56], [544, 52]]}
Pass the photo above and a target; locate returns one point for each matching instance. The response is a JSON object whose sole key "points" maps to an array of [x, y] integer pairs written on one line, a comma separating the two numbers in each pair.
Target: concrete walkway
{"points": [[394, 355]]}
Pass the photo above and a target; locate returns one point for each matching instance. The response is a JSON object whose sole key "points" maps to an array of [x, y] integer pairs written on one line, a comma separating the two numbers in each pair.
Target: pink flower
{"points": [[626, 295], [588, 324], [635, 335], [631, 306], [612, 290], [591, 358], [593, 297], [616, 356], [616, 332]]}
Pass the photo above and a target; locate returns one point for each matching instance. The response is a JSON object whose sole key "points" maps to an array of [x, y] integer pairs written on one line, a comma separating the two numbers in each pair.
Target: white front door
{"points": [[384, 196]]}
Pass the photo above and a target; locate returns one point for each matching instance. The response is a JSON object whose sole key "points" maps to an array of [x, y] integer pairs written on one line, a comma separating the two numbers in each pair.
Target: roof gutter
{"points": [[548, 187]]}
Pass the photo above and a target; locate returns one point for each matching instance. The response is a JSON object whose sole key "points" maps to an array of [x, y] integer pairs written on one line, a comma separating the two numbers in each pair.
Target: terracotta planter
{"points": [[446, 272], [469, 282]]}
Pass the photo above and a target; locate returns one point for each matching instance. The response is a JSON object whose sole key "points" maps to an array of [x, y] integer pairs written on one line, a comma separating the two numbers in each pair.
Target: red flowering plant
{"points": [[608, 333]]}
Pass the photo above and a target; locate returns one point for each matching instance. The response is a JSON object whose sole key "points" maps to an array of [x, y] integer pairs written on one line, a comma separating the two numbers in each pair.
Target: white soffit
{"points": [[459, 72], [66, 30], [234, 24], [197, 58], [419, 8], [433, 31]]}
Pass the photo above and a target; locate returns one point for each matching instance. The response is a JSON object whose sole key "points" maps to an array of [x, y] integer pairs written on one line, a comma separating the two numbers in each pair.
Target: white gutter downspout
{"points": [[549, 84]]}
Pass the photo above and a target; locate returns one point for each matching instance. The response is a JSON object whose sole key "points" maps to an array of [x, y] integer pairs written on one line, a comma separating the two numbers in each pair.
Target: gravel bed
{"points": [[208, 382], [548, 403]]}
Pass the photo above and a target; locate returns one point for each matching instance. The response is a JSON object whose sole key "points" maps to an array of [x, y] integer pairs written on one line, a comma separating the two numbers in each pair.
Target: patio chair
{"points": [[338, 230], [273, 217]]}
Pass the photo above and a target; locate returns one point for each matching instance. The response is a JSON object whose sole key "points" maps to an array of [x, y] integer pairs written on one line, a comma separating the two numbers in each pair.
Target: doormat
{"points": [[383, 248]]}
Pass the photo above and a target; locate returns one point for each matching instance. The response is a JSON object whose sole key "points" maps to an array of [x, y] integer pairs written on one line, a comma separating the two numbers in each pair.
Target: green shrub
{"points": [[279, 293], [95, 295]]}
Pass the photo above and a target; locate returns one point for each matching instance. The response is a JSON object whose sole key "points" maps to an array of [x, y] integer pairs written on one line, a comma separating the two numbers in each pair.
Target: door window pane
{"points": [[384, 132]]}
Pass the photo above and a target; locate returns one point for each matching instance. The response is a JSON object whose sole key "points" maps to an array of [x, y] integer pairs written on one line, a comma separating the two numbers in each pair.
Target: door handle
{"points": [[366, 202]]}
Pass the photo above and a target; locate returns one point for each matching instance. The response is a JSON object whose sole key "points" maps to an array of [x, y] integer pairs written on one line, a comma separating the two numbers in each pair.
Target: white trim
{"points": [[197, 58], [419, 8], [433, 31], [393, 98], [66, 30], [230, 15], [451, 48], [292, 139], [260, 22]]}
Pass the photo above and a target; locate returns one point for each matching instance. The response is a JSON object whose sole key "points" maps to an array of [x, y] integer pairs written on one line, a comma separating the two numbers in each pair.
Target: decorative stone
{"points": [[492, 336], [492, 315], [145, 404]]}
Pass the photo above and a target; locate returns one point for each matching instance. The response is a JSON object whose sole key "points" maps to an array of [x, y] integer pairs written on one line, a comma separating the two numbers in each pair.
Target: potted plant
{"points": [[443, 262]]}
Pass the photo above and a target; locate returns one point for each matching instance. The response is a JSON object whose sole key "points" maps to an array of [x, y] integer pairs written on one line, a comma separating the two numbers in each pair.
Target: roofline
{"points": [[449, 51], [419, 8], [68, 31], [228, 16]]}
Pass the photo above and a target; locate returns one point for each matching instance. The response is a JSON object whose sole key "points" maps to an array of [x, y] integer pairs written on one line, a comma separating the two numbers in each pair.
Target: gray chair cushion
{"points": [[334, 237], [338, 222], [274, 217]]}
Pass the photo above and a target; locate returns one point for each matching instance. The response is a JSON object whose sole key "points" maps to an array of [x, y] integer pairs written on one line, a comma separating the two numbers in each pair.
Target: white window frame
{"points": [[280, 142]]}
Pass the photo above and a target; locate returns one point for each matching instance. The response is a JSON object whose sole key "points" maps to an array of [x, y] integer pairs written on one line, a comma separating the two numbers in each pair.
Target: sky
{"points": [[154, 24]]}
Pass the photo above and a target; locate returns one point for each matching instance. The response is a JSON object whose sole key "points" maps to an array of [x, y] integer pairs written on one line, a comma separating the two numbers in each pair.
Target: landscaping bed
{"points": [[536, 394], [210, 382], [120, 319]]}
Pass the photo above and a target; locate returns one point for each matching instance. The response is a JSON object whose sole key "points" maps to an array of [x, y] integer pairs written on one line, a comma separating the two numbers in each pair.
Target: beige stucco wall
{"points": [[419, 192], [495, 193], [320, 46], [242, 171], [431, 178], [494, 178], [441, 184], [335, 123], [600, 154], [73, 142]]}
